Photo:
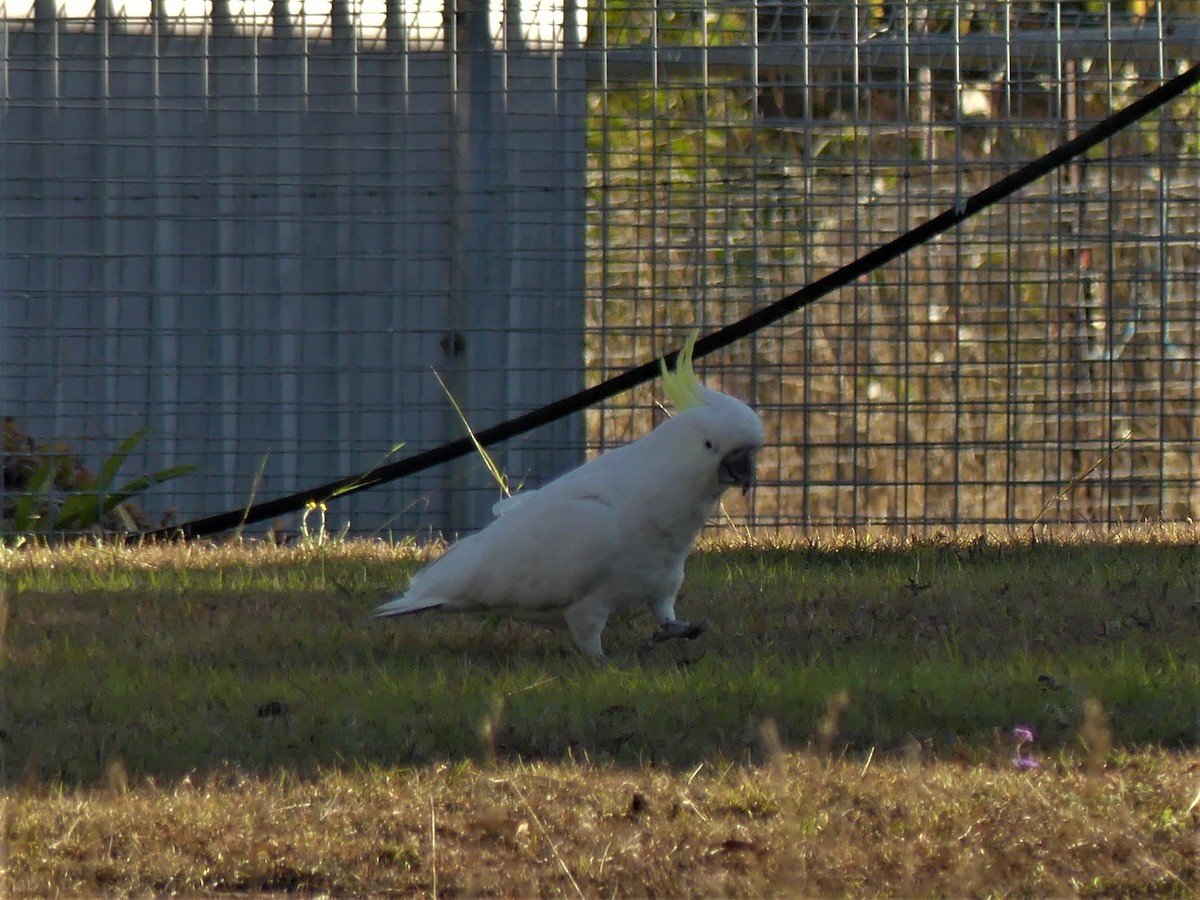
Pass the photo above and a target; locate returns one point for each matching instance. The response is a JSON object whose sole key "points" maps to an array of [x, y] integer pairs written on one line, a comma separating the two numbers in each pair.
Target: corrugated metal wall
{"points": [[257, 237]]}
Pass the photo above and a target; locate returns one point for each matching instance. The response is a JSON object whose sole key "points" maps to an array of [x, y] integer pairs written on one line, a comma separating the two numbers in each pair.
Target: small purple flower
{"points": [[1024, 759]]}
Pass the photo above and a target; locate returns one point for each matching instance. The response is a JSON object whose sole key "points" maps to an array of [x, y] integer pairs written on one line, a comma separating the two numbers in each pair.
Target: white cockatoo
{"points": [[608, 536]]}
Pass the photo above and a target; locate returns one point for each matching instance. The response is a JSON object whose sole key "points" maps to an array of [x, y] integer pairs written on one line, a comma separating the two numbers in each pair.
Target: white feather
{"points": [[602, 539]]}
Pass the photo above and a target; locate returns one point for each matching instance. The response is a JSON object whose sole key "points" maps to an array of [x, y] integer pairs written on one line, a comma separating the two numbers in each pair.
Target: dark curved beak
{"points": [[738, 468]]}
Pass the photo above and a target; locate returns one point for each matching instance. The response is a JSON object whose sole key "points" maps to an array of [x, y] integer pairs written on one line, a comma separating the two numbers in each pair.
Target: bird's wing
{"points": [[508, 504], [540, 556]]}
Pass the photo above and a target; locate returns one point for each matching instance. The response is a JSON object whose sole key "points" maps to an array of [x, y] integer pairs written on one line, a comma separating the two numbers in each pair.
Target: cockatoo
{"points": [[608, 536]]}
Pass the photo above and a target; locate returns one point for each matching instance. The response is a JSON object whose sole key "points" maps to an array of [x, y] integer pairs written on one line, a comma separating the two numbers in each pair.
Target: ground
{"points": [[202, 719]]}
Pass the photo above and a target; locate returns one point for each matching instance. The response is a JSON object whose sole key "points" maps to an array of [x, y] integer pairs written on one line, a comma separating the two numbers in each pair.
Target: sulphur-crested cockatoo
{"points": [[608, 536]]}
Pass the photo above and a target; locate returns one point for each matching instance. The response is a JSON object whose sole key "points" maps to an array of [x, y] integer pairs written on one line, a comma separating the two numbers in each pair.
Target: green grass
{"points": [[192, 720], [267, 659]]}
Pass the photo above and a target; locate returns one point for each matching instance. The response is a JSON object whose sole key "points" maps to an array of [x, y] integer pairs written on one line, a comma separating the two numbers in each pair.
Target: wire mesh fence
{"points": [[254, 229], [1037, 364]]}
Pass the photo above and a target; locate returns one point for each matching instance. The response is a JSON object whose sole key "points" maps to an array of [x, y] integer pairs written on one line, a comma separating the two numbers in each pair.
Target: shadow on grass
{"points": [[266, 666]]}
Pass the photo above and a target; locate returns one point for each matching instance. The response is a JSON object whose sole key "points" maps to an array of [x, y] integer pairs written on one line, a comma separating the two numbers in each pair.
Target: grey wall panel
{"points": [[246, 247]]}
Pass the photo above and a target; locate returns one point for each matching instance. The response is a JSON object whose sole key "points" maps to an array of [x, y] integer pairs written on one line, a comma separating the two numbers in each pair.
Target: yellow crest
{"points": [[681, 386]]}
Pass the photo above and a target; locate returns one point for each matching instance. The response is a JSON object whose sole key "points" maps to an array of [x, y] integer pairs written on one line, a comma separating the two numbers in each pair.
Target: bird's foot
{"points": [[677, 629]]}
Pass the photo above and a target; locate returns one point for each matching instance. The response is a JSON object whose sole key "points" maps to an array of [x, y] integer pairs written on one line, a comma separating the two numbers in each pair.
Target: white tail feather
{"points": [[403, 605]]}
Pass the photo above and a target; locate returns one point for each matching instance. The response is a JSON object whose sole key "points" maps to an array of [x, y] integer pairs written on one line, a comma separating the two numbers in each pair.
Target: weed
{"points": [[319, 536], [52, 492]]}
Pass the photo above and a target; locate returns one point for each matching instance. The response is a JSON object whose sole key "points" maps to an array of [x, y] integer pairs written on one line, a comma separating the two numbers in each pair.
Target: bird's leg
{"points": [[678, 629], [672, 628], [586, 623]]}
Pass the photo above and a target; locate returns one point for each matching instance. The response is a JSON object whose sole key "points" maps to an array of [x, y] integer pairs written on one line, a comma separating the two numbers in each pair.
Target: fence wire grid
{"points": [[329, 201]]}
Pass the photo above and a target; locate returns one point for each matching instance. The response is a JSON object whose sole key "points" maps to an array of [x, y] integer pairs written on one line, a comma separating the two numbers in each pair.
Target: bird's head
{"points": [[715, 432]]}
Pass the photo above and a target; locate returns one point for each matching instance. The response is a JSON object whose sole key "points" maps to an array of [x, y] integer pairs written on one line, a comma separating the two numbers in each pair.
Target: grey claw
{"points": [[687, 630]]}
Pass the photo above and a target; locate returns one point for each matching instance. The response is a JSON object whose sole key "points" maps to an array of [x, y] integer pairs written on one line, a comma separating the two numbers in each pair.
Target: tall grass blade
{"points": [[500, 478], [354, 485], [254, 485]]}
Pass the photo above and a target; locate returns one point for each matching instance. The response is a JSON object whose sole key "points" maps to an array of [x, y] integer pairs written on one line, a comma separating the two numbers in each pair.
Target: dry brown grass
{"points": [[799, 825]]}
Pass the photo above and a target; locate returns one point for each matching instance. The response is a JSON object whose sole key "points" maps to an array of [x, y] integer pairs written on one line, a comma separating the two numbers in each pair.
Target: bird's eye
{"points": [[708, 445]]}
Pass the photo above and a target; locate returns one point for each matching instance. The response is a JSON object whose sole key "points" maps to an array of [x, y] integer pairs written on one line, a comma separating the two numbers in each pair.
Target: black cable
{"points": [[789, 304]]}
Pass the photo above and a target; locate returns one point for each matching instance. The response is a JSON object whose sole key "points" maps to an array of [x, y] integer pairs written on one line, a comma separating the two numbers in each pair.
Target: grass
{"points": [[819, 827], [207, 719]]}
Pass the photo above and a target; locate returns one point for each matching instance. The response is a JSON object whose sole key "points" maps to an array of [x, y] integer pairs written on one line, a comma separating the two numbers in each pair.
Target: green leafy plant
{"points": [[53, 492]]}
